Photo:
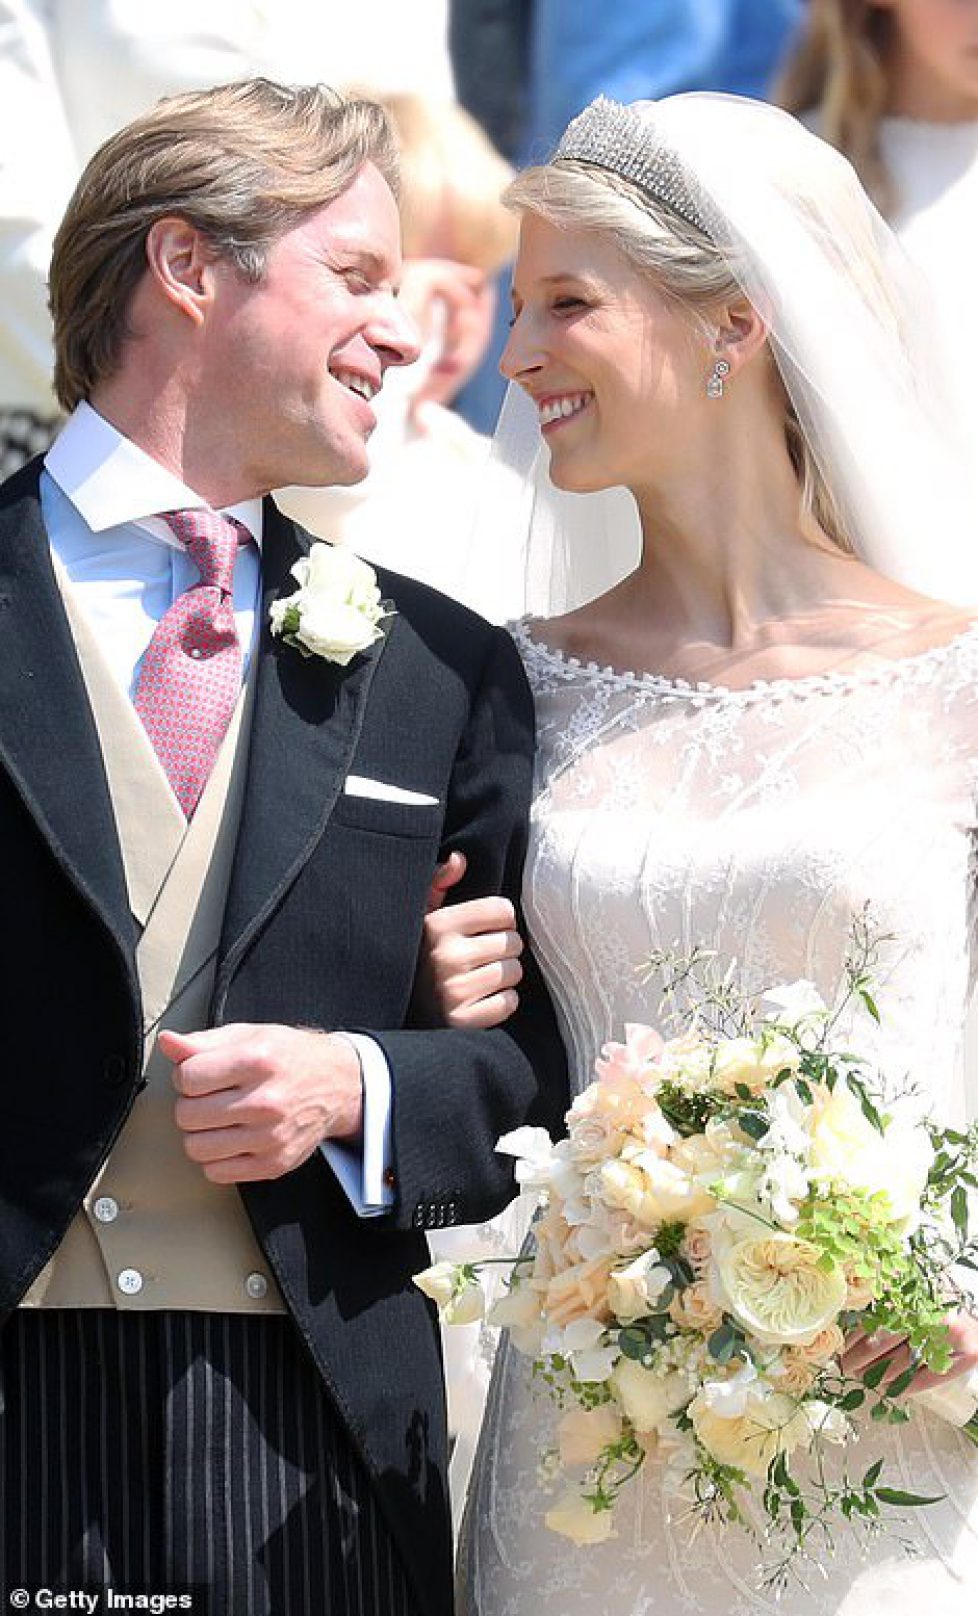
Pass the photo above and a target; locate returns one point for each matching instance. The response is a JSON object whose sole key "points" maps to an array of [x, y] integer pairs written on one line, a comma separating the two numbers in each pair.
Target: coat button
{"points": [[106, 1209], [257, 1286], [130, 1282]]}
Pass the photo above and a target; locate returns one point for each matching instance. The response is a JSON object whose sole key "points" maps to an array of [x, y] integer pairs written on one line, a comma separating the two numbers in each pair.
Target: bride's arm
{"points": [[468, 965]]}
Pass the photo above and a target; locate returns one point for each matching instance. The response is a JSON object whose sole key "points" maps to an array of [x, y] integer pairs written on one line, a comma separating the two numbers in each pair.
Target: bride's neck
{"points": [[726, 548]]}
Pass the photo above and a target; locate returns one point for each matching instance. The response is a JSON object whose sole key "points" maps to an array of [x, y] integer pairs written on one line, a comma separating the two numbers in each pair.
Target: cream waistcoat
{"points": [[152, 1231]]}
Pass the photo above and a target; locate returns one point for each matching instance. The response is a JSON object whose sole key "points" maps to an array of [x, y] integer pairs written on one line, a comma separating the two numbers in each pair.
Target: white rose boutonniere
{"points": [[337, 609]]}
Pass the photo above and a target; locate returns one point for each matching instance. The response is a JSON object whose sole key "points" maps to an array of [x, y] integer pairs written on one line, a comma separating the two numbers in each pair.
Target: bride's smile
{"points": [[612, 367]]}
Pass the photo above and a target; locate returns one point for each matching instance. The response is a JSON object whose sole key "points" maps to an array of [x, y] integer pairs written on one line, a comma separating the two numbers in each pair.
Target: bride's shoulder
{"points": [[928, 630]]}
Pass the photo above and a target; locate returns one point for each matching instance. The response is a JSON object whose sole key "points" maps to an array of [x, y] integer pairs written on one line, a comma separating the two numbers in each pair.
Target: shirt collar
{"points": [[111, 481]]}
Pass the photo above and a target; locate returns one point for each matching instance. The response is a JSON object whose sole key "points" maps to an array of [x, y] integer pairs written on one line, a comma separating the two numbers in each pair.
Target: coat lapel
{"points": [[48, 740], [308, 715]]}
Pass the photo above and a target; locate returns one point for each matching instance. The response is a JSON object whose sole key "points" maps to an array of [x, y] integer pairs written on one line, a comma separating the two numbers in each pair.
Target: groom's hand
{"points": [[257, 1101]]}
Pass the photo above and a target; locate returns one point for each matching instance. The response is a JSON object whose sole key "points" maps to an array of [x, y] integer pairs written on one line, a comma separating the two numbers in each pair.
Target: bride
{"points": [[756, 683]]}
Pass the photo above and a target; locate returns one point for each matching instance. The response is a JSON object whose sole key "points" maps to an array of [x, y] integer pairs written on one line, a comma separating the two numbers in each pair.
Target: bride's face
{"points": [[613, 367]]}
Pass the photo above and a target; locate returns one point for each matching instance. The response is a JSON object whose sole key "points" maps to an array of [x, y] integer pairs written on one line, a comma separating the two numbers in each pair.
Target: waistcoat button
{"points": [[257, 1286], [106, 1209], [130, 1282]]}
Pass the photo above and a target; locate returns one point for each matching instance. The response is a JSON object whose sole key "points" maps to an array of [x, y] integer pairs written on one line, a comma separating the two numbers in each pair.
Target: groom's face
{"points": [[302, 353]]}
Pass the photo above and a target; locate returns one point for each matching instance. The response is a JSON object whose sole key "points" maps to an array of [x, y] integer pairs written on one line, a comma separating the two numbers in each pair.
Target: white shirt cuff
{"points": [[363, 1169]]}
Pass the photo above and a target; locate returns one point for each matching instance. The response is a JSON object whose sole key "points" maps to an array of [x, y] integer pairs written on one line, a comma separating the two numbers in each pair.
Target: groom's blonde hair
{"points": [[243, 163]]}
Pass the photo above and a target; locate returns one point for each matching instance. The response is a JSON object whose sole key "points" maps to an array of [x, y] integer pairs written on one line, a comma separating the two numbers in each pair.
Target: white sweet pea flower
{"points": [[782, 1185], [595, 1364], [728, 1399], [533, 1149], [583, 1343], [826, 1422], [787, 1132], [796, 1004], [634, 1290]]}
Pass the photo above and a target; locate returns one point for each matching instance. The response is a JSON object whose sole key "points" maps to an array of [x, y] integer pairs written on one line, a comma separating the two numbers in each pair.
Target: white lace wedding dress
{"points": [[758, 824]]}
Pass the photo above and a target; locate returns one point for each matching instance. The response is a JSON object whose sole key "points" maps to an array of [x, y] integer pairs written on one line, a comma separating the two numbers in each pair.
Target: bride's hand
{"points": [[468, 966], [864, 1350]]}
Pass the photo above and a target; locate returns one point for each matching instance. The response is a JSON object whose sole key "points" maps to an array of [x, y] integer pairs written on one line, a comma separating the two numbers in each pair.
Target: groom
{"points": [[224, 1136]]}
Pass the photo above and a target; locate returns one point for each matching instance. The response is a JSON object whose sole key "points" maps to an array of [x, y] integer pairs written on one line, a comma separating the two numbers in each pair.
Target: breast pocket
{"points": [[422, 820]]}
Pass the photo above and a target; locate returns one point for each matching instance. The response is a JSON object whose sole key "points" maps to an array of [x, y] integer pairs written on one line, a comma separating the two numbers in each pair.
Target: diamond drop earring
{"points": [[714, 387]]}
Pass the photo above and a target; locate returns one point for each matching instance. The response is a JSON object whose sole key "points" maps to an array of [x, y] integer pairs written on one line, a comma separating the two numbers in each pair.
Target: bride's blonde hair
{"points": [[837, 76], [683, 263]]}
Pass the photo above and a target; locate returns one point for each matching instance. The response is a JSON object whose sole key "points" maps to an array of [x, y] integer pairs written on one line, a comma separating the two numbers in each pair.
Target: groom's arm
{"points": [[256, 1100], [455, 1092]]}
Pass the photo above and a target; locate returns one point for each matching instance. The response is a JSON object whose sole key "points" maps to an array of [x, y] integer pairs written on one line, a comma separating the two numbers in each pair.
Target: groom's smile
{"points": [[309, 343]]}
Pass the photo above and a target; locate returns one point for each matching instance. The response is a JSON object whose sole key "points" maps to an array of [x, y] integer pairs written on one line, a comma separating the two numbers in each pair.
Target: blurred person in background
{"points": [[894, 85], [416, 506], [74, 71]]}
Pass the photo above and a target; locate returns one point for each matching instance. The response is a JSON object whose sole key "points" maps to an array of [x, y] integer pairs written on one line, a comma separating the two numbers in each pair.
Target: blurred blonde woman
{"points": [[417, 504], [894, 85]]}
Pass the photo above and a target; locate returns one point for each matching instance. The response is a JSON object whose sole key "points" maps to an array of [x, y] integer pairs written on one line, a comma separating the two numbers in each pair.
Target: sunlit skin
{"points": [[241, 387], [586, 330], [932, 63], [735, 583]]}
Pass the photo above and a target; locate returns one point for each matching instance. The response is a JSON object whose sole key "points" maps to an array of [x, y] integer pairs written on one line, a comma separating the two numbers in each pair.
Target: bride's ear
{"points": [[741, 334]]}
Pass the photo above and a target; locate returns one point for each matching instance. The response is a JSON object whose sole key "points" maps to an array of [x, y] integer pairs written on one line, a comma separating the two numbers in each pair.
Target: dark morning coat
{"points": [[322, 927]]}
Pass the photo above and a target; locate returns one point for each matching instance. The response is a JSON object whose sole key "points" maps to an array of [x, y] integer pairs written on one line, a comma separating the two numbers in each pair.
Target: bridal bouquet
{"points": [[728, 1205]]}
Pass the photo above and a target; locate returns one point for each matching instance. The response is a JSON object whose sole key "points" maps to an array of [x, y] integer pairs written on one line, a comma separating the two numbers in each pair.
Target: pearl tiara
{"points": [[615, 137]]}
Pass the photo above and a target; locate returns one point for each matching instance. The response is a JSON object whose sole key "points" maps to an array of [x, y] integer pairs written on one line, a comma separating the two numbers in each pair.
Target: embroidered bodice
{"points": [[756, 824]]}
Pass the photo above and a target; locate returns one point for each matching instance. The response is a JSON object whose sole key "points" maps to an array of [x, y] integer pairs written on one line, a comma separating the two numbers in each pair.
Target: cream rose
{"points": [[634, 1290], [695, 1309], [753, 1062], [846, 1148], [774, 1287], [697, 1247], [646, 1397], [828, 1344], [336, 609], [584, 1433], [709, 1156], [572, 1516], [792, 1374]]}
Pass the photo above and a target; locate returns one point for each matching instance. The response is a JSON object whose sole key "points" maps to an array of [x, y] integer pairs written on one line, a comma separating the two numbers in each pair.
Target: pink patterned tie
{"points": [[191, 673]]}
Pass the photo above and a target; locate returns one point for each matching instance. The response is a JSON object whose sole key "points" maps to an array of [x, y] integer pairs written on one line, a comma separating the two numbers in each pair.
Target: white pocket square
{"points": [[358, 785]]}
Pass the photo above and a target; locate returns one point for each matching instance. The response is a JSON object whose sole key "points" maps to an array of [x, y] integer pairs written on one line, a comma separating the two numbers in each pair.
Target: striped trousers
{"points": [[172, 1452]]}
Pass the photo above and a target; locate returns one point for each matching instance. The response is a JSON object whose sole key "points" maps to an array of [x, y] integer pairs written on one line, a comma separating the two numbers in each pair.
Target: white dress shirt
{"points": [[101, 497]]}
